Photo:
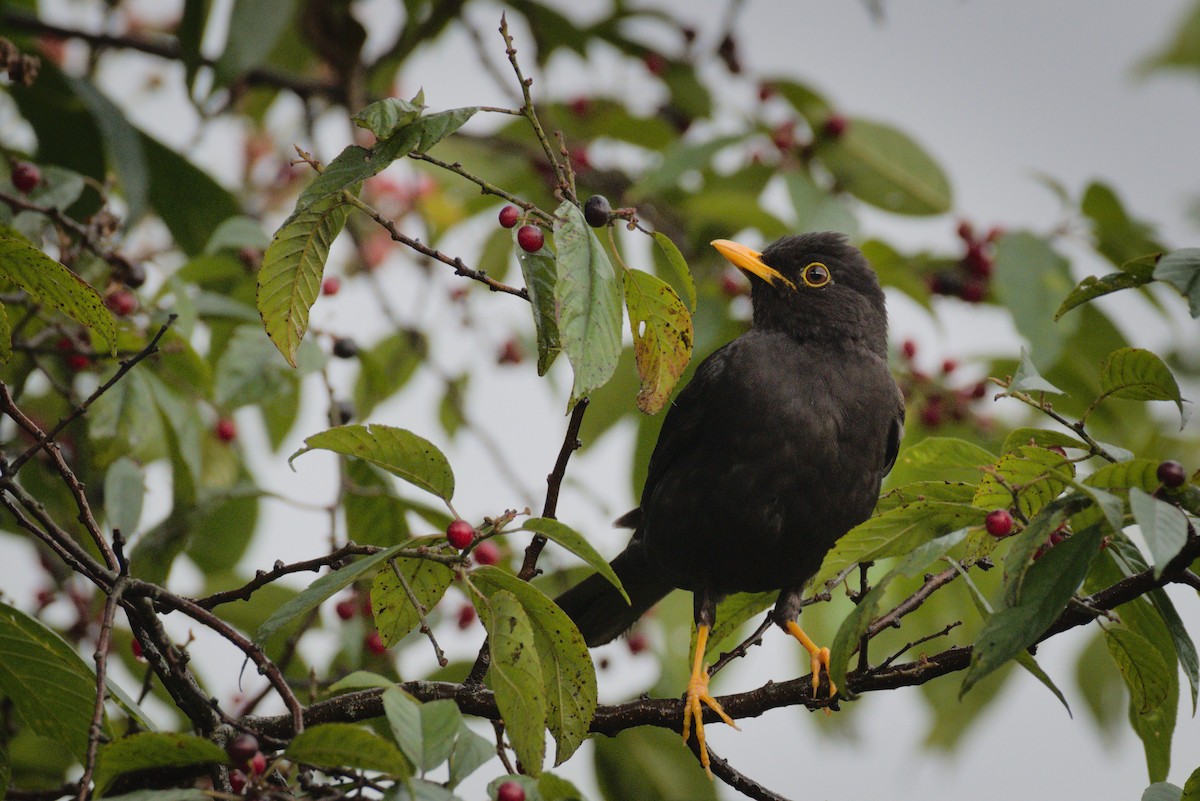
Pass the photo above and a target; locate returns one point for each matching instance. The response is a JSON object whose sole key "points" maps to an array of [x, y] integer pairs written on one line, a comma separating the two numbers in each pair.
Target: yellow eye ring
{"points": [[816, 275]]}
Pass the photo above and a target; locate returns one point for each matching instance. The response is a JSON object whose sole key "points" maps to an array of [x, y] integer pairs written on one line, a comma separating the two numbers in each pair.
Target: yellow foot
{"points": [[819, 658], [697, 694]]}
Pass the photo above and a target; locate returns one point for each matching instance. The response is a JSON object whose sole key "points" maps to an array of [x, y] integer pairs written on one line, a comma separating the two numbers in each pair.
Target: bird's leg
{"points": [[819, 657], [697, 689], [697, 693]]}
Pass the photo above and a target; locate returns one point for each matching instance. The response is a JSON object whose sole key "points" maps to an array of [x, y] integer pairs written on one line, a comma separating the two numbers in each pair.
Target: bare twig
{"points": [[421, 612], [739, 781], [96, 729], [263, 578]]}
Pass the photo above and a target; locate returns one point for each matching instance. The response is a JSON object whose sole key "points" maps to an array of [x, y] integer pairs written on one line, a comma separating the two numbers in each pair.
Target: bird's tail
{"points": [[598, 608]]}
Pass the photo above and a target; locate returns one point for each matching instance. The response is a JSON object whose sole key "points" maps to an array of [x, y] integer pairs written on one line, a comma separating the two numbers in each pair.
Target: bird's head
{"points": [[816, 287]]}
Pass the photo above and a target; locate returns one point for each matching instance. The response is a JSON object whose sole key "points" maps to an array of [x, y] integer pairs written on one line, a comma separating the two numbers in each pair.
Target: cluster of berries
{"points": [[971, 276]]}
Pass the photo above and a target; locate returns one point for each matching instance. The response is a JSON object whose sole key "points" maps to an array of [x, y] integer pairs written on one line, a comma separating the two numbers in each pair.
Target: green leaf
{"points": [[1142, 667], [649, 764], [51, 687], [124, 491], [816, 209], [51, 284], [1140, 473], [574, 542], [236, 233], [1163, 525], [1119, 238], [807, 101], [360, 680], [321, 590], [290, 277], [556, 788], [386, 367], [515, 676], [402, 453], [1092, 287], [345, 745], [1162, 791], [1181, 269], [845, 643], [1191, 789], [395, 615], [1042, 437], [149, 751], [884, 167], [1048, 586], [896, 533], [1136, 374], [940, 459], [732, 612], [254, 28], [568, 676], [679, 267], [1038, 474], [384, 117], [250, 372], [680, 158], [374, 515], [1031, 278], [425, 732], [1028, 379], [437, 127], [949, 491], [174, 794], [541, 274], [122, 142], [190, 203], [469, 754], [1024, 545], [662, 337], [588, 298], [5, 336]]}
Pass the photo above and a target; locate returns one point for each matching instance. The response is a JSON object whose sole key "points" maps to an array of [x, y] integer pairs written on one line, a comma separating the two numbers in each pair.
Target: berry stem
{"points": [[487, 188], [421, 612]]}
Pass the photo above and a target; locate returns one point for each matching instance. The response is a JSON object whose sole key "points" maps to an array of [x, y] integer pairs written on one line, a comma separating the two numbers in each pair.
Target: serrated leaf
{"points": [[896, 533], [50, 283], [1141, 666], [1094, 287], [845, 643], [1042, 437], [402, 453], [949, 491], [588, 298], [1038, 475], [541, 274], [940, 459], [385, 117], [1141, 473], [1024, 545], [568, 676], [1181, 269], [395, 615], [321, 590], [679, 266], [437, 127], [1028, 379], [882, 166], [1137, 374], [290, 277], [515, 676], [1163, 525], [1048, 586], [345, 745], [1191, 788], [51, 687], [152, 750], [662, 337], [573, 541]]}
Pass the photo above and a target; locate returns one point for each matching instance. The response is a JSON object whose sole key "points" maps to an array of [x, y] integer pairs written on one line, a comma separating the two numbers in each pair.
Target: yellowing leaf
{"points": [[662, 337]]}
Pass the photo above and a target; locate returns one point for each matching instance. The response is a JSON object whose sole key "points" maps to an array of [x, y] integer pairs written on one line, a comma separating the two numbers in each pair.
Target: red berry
{"points": [[637, 643], [226, 429], [979, 390], [909, 348], [460, 533], [973, 290], [530, 238], [999, 523], [237, 781], [949, 366], [257, 764], [978, 263], [346, 609], [835, 127], [121, 302], [509, 216], [580, 161], [331, 286], [732, 284], [1171, 474], [510, 353], [784, 136], [580, 107], [242, 748], [486, 553], [966, 231], [78, 361], [136, 647], [366, 609], [932, 412], [995, 233], [374, 643], [1056, 536], [26, 176], [765, 92], [655, 63], [510, 791], [466, 616]]}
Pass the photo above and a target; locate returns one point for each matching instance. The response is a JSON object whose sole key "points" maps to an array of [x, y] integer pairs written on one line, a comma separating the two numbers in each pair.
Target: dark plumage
{"points": [[774, 450]]}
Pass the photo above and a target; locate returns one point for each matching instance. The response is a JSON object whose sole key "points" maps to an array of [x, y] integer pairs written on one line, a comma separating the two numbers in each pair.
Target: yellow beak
{"points": [[749, 261]]}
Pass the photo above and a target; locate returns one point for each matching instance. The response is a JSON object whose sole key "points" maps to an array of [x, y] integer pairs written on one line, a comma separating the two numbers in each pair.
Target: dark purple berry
{"points": [[1171, 474], [26, 176], [345, 348], [597, 211], [242, 748]]}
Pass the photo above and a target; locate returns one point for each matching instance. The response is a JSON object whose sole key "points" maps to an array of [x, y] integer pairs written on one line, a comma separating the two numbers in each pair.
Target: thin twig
{"points": [[263, 578], [103, 643], [885, 664], [501, 751], [485, 187], [912, 602], [421, 612], [739, 781], [744, 646]]}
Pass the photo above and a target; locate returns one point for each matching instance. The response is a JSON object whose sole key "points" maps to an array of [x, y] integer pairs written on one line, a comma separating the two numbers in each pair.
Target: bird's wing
{"points": [[894, 436]]}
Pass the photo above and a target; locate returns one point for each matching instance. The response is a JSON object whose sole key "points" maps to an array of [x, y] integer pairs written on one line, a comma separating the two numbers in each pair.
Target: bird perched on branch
{"points": [[774, 450]]}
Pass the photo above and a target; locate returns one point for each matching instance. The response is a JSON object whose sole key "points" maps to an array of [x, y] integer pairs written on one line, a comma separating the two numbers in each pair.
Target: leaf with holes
{"points": [[588, 298], [402, 453], [662, 337], [290, 277]]}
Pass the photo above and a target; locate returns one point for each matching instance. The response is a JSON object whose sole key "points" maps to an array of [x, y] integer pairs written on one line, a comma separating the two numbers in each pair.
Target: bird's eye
{"points": [[816, 275]]}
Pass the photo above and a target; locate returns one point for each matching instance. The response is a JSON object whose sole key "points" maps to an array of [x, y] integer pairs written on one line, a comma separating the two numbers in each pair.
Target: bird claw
{"points": [[697, 694]]}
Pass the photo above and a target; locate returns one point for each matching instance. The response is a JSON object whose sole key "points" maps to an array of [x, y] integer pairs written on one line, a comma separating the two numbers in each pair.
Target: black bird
{"points": [[774, 450]]}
